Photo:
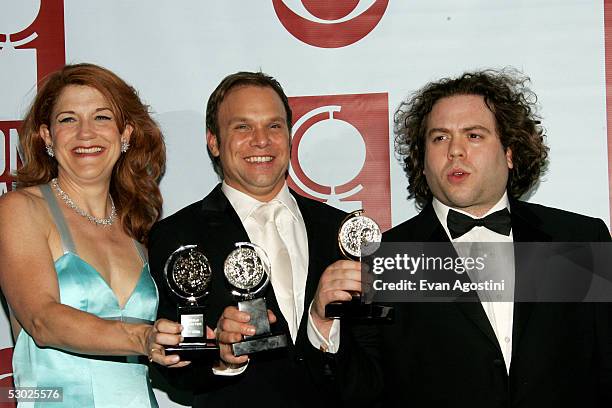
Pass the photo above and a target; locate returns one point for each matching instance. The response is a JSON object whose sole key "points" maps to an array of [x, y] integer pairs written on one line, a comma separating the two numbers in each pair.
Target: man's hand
{"points": [[337, 283], [232, 326]]}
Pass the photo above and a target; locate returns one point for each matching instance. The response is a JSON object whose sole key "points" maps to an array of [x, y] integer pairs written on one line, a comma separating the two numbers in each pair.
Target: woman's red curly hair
{"points": [[134, 183]]}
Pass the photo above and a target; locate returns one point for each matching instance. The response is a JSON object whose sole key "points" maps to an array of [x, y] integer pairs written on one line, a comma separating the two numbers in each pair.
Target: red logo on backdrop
{"points": [[329, 24], [340, 152], [31, 47], [9, 157], [6, 373]]}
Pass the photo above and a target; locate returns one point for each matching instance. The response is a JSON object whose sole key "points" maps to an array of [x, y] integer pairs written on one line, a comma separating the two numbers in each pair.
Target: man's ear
{"points": [[213, 143], [509, 158]]}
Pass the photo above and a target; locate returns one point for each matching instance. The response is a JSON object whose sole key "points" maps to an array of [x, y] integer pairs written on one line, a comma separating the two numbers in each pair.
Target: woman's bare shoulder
{"points": [[24, 206]]}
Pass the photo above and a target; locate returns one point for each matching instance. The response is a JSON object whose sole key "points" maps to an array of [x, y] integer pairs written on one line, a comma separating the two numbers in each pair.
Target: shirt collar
{"points": [[441, 210], [244, 204]]}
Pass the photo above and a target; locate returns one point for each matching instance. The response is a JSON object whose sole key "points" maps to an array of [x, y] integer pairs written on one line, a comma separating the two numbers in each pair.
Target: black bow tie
{"points": [[458, 224]]}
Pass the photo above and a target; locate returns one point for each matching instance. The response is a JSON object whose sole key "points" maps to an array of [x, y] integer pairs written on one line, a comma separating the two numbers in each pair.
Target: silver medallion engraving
{"points": [[188, 273], [247, 271], [359, 235], [244, 268]]}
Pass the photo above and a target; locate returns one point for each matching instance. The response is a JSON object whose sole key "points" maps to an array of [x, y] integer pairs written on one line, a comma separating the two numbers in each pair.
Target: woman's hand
{"points": [[164, 333], [167, 333]]}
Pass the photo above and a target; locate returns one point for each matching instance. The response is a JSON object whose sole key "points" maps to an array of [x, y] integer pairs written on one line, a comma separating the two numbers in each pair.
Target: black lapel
{"points": [[219, 228], [430, 226], [222, 228], [525, 228], [220, 225], [220, 217]]}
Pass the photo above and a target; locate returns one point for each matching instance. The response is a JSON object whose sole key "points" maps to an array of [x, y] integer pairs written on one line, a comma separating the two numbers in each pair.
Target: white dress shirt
{"points": [[500, 314]]}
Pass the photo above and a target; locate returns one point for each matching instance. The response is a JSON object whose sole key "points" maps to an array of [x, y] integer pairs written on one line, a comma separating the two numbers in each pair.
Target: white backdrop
{"points": [[175, 53]]}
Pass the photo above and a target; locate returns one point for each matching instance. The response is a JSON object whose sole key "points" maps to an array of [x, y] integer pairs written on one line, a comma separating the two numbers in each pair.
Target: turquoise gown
{"points": [[88, 381]]}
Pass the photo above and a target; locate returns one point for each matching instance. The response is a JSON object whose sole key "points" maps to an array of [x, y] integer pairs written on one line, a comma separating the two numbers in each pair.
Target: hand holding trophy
{"points": [[358, 236], [188, 275], [247, 270]]}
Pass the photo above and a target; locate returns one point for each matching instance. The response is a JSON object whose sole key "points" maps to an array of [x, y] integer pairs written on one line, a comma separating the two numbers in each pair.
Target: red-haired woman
{"points": [[73, 270]]}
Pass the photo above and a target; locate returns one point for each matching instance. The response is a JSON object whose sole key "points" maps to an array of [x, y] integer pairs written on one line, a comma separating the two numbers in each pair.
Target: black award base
{"points": [[195, 345], [356, 309], [263, 339], [206, 350]]}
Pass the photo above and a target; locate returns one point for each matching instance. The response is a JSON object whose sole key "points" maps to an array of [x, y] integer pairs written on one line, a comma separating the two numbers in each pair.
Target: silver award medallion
{"points": [[247, 268], [247, 271], [359, 236], [188, 276], [190, 273]]}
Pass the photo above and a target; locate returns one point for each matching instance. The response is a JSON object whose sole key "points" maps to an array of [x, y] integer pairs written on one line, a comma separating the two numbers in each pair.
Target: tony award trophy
{"points": [[188, 275], [358, 236], [247, 270]]}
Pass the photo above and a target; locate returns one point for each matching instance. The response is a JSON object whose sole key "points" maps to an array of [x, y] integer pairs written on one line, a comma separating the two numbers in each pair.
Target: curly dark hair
{"points": [[243, 78], [135, 177], [512, 103]]}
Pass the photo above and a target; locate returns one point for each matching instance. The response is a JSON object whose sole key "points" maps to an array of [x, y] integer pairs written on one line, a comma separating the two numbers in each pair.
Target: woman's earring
{"points": [[124, 146]]}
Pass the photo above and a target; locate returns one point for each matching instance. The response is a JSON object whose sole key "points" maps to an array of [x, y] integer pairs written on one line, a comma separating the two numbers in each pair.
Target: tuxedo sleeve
{"points": [[352, 375], [359, 368]]}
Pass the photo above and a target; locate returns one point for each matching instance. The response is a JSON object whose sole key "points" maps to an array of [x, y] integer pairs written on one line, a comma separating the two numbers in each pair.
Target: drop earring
{"points": [[124, 146]]}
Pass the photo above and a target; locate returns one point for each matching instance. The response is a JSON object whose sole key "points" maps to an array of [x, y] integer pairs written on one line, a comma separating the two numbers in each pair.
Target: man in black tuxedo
{"points": [[471, 147], [248, 122]]}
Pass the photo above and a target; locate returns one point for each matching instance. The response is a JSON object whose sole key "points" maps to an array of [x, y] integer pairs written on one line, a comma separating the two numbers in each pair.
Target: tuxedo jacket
{"points": [[446, 354], [298, 375]]}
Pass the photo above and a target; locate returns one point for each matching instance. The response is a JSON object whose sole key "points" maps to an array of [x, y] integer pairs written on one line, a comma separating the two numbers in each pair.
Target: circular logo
{"points": [[18, 15], [329, 24], [316, 136]]}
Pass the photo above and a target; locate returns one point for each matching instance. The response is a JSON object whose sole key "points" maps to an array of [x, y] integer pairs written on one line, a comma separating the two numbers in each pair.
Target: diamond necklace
{"points": [[98, 221]]}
